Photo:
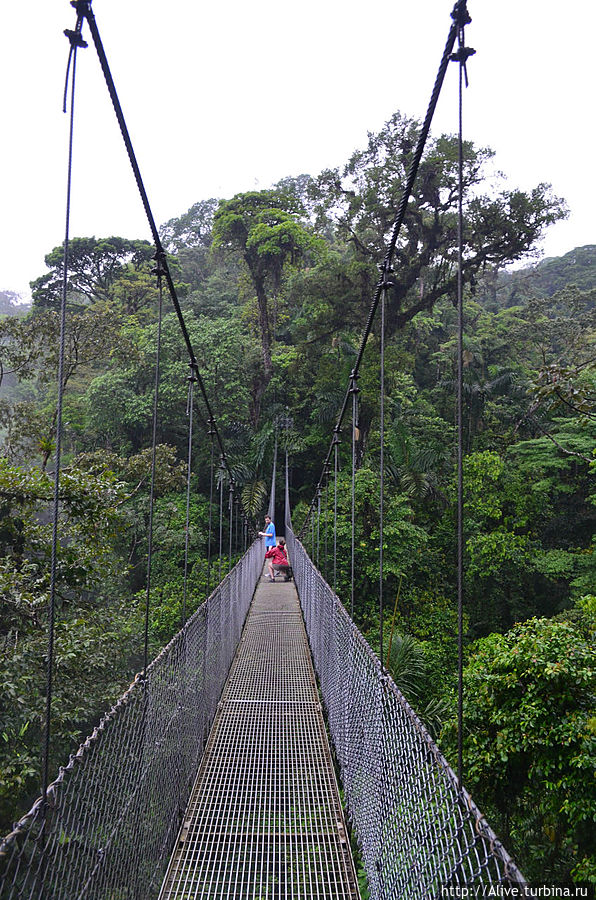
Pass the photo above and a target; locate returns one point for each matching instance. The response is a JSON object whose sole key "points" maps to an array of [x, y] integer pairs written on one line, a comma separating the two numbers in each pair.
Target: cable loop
{"points": [[76, 40]]}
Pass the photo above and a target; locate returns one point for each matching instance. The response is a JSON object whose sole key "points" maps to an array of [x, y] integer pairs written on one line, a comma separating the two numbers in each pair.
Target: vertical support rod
{"points": [[318, 526], [211, 433], [460, 428], [382, 475], [189, 412], [221, 474], [335, 469], [159, 272], [231, 513], [354, 392], [326, 537], [45, 763]]}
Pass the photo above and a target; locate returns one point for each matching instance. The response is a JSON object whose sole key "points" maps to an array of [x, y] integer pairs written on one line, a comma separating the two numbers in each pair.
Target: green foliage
{"points": [[531, 740], [93, 268], [275, 288]]}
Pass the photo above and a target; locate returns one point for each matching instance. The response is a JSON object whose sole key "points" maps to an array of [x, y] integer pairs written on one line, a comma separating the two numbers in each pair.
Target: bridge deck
{"points": [[264, 818]]}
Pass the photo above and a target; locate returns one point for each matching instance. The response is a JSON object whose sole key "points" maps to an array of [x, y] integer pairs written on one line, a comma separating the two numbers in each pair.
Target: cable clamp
{"points": [[76, 38], [462, 55], [82, 7], [460, 13], [160, 267], [386, 271]]}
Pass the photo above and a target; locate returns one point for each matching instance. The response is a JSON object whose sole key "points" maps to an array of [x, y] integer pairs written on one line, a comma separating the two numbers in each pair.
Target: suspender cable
{"points": [[318, 526], [75, 42], [460, 466], [159, 273], [211, 434], [354, 391], [189, 412], [221, 474], [231, 512], [84, 10], [236, 524], [386, 285], [326, 537], [458, 11], [287, 513], [461, 57], [271, 507], [335, 468]]}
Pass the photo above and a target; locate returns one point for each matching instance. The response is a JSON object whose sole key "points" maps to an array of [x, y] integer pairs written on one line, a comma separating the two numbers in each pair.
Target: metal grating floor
{"points": [[264, 821]]}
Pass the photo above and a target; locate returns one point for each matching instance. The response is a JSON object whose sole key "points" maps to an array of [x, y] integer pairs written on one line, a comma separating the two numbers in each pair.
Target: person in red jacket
{"points": [[277, 561]]}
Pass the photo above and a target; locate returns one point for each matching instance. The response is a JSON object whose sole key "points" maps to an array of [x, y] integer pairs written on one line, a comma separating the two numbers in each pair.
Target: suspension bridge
{"points": [[217, 773]]}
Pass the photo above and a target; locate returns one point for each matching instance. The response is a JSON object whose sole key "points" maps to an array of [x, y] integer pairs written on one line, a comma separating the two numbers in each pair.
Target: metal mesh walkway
{"points": [[264, 819]]}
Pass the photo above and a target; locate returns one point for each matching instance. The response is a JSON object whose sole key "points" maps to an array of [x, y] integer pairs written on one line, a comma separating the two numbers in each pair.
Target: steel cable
{"points": [[85, 11], [116, 805], [189, 412], [75, 42], [460, 57], [159, 273], [459, 12], [335, 470], [211, 434], [419, 832], [221, 484], [386, 285], [354, 391]]}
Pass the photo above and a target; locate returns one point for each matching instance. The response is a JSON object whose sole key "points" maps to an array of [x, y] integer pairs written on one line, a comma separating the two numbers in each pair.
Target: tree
{"points": [[29, 348], [265, 227], [191, 230], [530, 741], [93, 267], [362, 200]]}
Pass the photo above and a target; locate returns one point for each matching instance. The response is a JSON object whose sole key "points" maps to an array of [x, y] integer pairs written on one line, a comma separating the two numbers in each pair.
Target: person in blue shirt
{"points": [[269, 533]]}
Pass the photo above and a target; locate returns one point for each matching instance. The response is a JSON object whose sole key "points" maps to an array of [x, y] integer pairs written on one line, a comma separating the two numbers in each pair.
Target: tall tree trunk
{"points": [[264, 329]]}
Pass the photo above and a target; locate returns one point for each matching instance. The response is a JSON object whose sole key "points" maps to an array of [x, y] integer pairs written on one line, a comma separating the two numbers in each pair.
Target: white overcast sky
{"points": [[222, 97]]}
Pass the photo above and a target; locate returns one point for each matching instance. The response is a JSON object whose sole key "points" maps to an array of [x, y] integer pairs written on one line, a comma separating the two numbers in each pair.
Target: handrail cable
{"points": [[459, 15]]}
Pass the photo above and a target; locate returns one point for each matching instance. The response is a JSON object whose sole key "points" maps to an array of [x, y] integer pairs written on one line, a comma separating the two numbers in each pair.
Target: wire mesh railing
{"points": [[419, 834], [114, 810]]}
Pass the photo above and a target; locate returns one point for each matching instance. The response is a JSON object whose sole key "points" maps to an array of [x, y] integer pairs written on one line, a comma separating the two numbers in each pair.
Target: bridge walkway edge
{"points": [[264, 818]]}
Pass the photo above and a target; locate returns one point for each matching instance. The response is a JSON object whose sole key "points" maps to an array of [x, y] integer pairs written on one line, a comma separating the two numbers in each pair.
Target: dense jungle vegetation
{"points": [[275, 287]]}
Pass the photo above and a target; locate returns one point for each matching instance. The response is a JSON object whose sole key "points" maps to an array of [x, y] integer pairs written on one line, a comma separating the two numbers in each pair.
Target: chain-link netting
{"points": [[115, 809], [419, 835]]}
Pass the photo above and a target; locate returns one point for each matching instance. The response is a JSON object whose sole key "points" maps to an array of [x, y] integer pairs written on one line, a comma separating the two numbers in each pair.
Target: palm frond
{"points": [[254, 496]]}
